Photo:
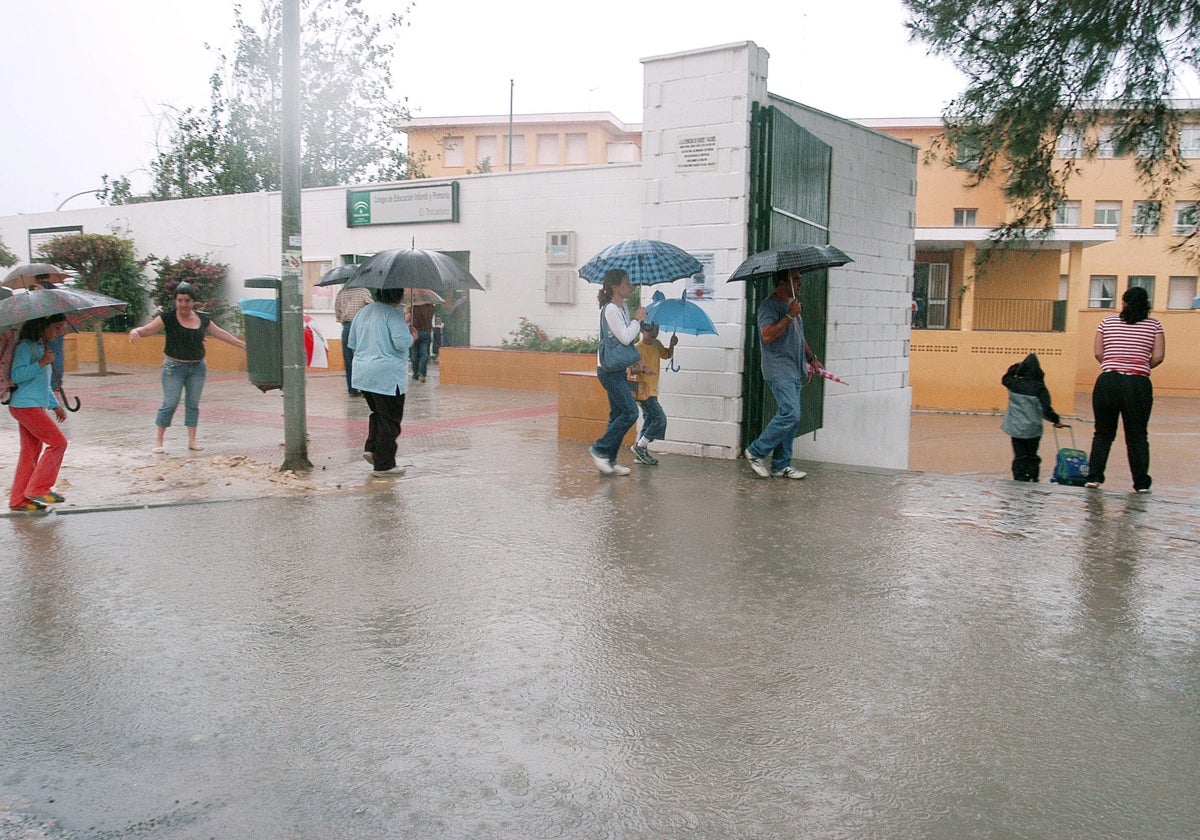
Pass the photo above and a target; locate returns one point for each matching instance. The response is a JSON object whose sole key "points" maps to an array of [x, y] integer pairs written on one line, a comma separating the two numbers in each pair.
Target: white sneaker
{"points": [[619, 469], [759, 465], [789, 472], [603, 464], [1092, 485], [394, 471]]}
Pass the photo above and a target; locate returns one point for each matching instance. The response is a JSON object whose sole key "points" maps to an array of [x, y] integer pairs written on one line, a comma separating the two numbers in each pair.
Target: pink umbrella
{"points": [[820, 371]]}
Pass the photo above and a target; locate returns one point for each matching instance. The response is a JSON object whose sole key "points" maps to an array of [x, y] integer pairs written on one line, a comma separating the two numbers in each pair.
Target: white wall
{"points": [[872, 218]]}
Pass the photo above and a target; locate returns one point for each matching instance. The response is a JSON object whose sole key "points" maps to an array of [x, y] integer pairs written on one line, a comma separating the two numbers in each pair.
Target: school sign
{"points": [[402, 205]]}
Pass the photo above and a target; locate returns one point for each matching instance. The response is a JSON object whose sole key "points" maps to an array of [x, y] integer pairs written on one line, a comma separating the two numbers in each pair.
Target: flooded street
{"points": [[517, 647]]}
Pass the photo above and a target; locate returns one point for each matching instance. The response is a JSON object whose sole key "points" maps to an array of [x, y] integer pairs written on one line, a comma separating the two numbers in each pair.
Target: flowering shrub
{"points": [[529, 336]]}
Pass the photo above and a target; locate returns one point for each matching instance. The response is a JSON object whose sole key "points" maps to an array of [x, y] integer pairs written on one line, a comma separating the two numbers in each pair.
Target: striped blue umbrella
{"points": [[646, 261]]}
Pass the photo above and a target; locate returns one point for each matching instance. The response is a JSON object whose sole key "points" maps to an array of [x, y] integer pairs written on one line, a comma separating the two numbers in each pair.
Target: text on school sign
{"points": [[402, 205]]}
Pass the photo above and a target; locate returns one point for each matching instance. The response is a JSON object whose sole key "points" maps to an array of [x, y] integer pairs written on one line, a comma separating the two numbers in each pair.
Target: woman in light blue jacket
{"points": [[380, 337]]}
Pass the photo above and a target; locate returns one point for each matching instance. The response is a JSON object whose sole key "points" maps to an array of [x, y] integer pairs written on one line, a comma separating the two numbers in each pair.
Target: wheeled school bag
{"points": [[1071, 464]]}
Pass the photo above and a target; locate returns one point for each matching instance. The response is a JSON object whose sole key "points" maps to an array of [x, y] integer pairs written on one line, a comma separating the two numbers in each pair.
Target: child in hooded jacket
{"points": [[1028, 404]]}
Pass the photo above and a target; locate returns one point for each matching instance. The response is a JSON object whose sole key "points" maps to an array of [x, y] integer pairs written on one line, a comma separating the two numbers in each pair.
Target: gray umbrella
{"points": [[413, 268], [337, 276], [26, 275], [803, 257]]}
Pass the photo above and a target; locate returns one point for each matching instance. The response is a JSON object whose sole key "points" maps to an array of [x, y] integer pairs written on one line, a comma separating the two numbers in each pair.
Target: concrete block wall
{"points": [[872, 212], [706, 92]]}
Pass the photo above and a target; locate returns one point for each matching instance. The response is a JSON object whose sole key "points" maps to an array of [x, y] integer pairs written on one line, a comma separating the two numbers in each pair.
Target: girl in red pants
{"points": [[42, 443]]}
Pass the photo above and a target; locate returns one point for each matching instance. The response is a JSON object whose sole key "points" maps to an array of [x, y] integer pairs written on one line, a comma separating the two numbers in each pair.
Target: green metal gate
{"points": [[789, 203]]}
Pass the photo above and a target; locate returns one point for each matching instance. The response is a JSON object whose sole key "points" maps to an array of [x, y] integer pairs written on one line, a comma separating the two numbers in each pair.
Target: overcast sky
{"points": [[85, 81]]}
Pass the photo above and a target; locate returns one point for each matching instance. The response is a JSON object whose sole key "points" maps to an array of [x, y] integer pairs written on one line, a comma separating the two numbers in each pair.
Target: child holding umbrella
{"points": [[644, 377]]}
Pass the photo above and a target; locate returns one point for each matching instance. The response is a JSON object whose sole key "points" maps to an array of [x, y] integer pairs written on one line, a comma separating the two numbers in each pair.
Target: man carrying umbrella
{"points": [[785, 359], [380, 338]]}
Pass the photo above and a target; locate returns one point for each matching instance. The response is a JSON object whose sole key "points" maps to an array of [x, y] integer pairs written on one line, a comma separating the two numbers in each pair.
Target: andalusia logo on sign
{"points": [[360, 208]]}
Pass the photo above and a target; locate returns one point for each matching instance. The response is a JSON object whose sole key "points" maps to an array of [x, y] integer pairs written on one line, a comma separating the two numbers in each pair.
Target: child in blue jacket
{"points": [[1028, 404]]}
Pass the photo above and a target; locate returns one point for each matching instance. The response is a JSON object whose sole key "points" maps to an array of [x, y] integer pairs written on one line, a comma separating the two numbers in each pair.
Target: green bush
{"points": [[529, 336]]}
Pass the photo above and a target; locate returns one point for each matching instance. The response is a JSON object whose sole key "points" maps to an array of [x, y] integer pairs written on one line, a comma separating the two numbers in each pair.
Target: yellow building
{"points": [[972, 318], [448, 146]]}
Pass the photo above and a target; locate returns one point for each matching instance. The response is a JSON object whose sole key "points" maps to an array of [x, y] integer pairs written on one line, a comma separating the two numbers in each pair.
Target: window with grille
{"points": [[1185, 218], [547, 149], [1102, 291], [1143, 281], [965, 217], [1108, 214], [1145, 218], [1189, 141], [1070, 144], [518, 150], [486, 152], [577, 149], [1067, 214]]}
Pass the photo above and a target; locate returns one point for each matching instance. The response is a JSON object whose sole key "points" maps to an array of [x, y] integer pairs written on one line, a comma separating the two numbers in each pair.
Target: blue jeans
{"points": [[178, 378], [420, 353], [622, 412], [654, 419], [347, 355], [776, 439]]}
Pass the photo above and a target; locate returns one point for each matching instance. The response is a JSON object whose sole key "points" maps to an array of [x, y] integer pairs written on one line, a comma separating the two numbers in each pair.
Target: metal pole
{"points": [[510, 123], [291, 313]]}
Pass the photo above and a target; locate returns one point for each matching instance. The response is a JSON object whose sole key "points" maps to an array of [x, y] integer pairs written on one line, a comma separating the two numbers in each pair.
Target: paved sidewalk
{"points": [[109, 462]]}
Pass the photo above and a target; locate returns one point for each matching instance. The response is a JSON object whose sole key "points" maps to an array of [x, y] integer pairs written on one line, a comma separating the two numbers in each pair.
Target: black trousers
{"points": [[1026, 460], [383, 427], [1130, 398]]}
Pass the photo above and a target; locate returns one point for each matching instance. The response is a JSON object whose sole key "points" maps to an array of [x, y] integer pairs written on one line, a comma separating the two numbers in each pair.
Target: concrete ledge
{"points": [[583, 408], [524, 370]]}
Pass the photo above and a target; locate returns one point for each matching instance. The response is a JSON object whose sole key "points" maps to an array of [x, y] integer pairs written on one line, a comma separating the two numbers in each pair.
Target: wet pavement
{"points": [[504, 643]]}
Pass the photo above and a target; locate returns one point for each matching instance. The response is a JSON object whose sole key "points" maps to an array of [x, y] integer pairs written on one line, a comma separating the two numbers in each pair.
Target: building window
{"points": [[454, 151], [518, 150], [577, 151], [1189, 141], [1145, 217], [1108, 214], [1185, 218], [967, 153], [1070, 144], [1181, 292], [486, 152], [1064, 286], [1143, 281], [1102, 291], [547, 150], [1067, 214], [1108, 146], [623, 153], [931, 296], [965, 216]]}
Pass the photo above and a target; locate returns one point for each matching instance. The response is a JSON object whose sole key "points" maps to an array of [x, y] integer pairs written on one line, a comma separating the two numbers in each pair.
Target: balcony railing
{"points": [[1020, 315]]}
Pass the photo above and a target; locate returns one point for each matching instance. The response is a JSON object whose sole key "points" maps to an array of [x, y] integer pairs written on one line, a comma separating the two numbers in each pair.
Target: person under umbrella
{"points": [[785, 360], [616, 328], [644, 375], [380, 338], [347, 304], [184, 369], [43, 445]]}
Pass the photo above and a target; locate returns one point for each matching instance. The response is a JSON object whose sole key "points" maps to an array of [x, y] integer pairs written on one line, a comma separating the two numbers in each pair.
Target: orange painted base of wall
{"points": [[523, 370], [960, 371], [583, 408], [81, 347]]}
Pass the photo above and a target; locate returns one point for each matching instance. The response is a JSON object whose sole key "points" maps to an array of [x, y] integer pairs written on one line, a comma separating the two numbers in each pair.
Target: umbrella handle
{"points": [[67, 403], [674, 368]]}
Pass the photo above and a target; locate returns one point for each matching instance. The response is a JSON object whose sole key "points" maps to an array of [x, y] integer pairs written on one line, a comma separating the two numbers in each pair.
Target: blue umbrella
{"points": [[679, 315], [646, 261]]}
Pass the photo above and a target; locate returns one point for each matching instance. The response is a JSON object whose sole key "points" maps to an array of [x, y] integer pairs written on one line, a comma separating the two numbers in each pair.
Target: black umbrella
{"points": [[412, 268], [337, 276], [803, 257]]}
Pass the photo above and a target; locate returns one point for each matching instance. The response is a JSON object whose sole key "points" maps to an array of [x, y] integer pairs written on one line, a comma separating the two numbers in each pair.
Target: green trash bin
{"points": [[264, 343]]}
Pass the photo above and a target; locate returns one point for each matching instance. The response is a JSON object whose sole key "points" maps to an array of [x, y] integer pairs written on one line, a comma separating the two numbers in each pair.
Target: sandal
{"points": [[30, 506]]}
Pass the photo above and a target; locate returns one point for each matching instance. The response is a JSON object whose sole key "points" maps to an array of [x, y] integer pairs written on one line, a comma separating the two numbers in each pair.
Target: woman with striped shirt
{"points": [[1127, 346]]}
